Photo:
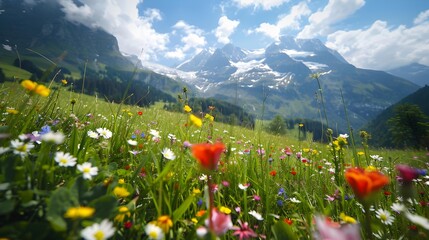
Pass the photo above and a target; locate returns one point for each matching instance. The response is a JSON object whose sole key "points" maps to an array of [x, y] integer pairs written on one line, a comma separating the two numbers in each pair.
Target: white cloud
{"points": [[289, 21], [423, 16], [192, 39], [336, 10], [225, 29], [383, 47], [264, 4], [121, 19]]}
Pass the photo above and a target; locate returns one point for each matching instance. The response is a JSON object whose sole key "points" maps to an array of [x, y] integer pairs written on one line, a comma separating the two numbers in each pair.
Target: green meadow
{"points": [[74, 166]]}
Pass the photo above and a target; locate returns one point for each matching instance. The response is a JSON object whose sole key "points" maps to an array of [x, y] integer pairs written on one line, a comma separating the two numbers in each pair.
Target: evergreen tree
{"points": [[409, 126]]}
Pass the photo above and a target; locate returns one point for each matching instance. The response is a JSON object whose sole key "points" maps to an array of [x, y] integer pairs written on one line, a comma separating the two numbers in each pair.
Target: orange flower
{"points": [[208, 155], [364, 182]]}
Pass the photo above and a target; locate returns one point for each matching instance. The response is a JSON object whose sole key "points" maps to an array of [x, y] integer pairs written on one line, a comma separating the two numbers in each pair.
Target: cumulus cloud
{"points": [[225, 28], [121, 19], [383, 47], [321, 21], [289, 21], [423, 16], [191, 37], [264, 4]]}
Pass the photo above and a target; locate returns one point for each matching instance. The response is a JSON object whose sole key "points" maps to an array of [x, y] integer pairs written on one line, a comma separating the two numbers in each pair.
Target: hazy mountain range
{"points": [[265, 82]]}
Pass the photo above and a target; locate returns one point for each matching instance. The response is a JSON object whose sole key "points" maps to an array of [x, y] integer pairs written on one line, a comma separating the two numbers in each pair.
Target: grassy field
{"points": [[75, 166]]}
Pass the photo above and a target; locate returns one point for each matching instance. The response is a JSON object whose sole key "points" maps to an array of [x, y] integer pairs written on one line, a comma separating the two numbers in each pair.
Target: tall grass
{"points": [[139, 189]]}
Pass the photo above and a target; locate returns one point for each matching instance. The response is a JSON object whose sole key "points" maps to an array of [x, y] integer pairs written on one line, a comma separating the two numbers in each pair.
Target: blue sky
{"points": [[376, 34]]}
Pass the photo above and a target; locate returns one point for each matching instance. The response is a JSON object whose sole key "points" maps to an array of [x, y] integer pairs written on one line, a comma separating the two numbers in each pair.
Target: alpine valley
{"points": [[275, 80]]}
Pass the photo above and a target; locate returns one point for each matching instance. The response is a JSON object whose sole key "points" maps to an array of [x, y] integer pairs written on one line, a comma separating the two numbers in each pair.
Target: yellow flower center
{"points": [[99, 235]]}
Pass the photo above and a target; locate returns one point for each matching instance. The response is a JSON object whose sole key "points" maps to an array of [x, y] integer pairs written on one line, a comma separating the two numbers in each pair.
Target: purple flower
{"points": [[407, 173]]}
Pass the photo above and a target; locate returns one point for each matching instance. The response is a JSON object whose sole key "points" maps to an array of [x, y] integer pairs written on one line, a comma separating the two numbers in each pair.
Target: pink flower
{"points": [[407, 173], [326, 229], [220, 222], [243, 231]]}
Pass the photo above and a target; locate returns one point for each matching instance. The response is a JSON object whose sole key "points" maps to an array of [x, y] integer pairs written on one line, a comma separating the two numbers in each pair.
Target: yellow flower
{"points": [[186, 108], [123, 212], [12, 111], [79, 212], [36, 88], [370, 169], [121, 192], [195, 120], [64, 82], [121, 181], [306, 150], [196, 191], [360, 153], [209, 117], [29, 85], [194, 220], [347, 219], [301, 125], [224, 210], [164, 222], [342, 141]]}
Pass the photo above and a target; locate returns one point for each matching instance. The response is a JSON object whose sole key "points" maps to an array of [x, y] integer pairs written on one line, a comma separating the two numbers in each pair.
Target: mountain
{"points": [[415, 72], [378, 127], [276, 80]]}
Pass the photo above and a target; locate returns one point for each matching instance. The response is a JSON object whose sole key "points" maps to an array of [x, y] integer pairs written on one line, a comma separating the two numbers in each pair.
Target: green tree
{"points": [[277, 125], [409, 126]]}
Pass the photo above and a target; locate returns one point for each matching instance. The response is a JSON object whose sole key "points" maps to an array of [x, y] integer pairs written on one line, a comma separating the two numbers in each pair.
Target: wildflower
{"points": [[196, 191], [154, 232], [155, 135], [326, 229], [168, 154], [360, 153], [419, 220], [398, 207], [195, 120], [104, 132], [140, 113], [55, 137], [365, 183], [164, 222], [407, 173], [385, 216], [220, 222], [256, 198], [187, 109], [132, 142], [273, 173], [65, 159], [124, 212], [257, 215], [79, 212], [376, 158], [92, 134], [294, 200], [121, 192], [243, 231], [347, 219], [209, 117], [101, 231], [29, 85], [121, 181], [288, 221], [224, 210], [64, 82], [88, 170], [12, 111], [243, 186], [208, 155], [4, 150], [187, 144], [39, 89], [21, 148]]}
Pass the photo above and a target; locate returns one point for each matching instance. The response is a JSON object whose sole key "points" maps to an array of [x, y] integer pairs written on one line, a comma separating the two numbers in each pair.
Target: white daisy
{"points": [[132, 142], [345, 135], [93, 134], [55, 137], [154, 232], [398, 207], [21, 148], [417, 219], [155, 134], [168, 154], [294, 200], [376, 158], [98, 231], [256, 215], [65, 159], [104, 132], [88, 170], [243, 186], [385, 216]]}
